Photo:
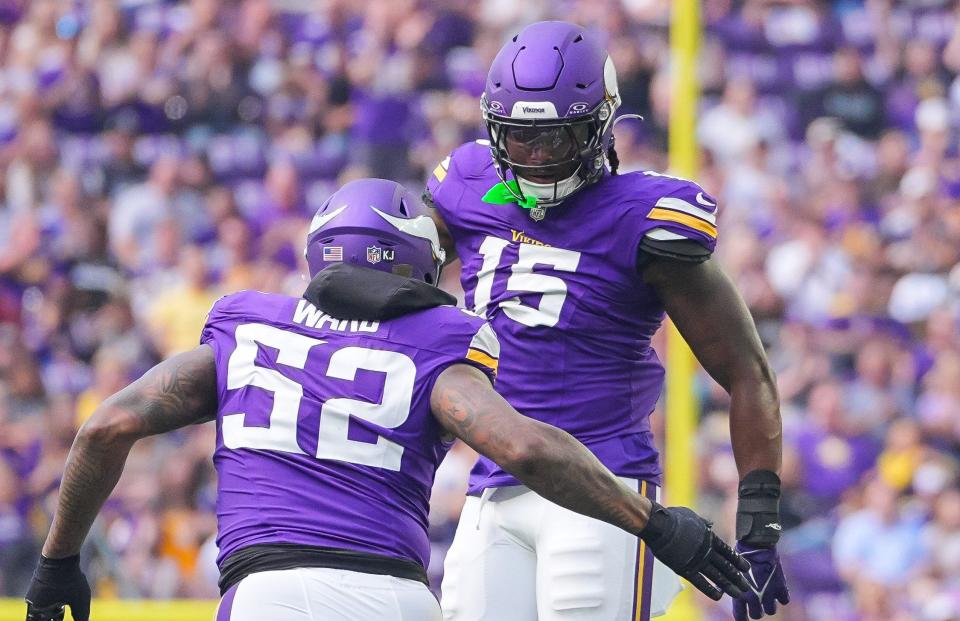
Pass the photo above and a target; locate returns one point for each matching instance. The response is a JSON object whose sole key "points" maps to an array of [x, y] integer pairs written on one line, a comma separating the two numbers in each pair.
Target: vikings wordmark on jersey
{"points": [[324, 431], [566, 299]]}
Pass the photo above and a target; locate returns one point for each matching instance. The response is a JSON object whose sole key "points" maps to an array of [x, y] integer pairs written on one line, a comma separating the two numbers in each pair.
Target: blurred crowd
{"points": [[157, 154]]}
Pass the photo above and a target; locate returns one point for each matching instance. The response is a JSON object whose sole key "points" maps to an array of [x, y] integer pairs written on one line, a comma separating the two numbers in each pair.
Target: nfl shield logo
{"points": [[374, 254]]}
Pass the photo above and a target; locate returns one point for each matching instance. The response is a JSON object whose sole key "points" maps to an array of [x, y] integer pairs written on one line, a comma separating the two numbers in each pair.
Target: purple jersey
{"points": [[324, 431], [567, 302]]}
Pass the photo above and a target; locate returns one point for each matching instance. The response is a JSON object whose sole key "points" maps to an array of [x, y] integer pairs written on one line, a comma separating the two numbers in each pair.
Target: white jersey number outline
{"points": [[523, 279]]}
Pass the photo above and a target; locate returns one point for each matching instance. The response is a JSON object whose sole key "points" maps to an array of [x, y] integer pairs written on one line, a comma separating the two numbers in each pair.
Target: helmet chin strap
{"points": [[555, 191]]}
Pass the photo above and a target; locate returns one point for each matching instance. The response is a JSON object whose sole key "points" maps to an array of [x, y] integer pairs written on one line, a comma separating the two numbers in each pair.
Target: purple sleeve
{"points": [[215, 319], [458, 336], [445, 188], [681, 213], [206, 335]]}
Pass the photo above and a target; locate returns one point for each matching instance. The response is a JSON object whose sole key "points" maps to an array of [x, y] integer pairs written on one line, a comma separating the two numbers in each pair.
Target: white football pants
{"points": [[320, 594], [519, 557]]}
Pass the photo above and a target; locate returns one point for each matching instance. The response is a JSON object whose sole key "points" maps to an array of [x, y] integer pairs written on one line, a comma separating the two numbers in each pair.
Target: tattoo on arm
{"points": [[178, 392], [175, 393], [546, 459]]}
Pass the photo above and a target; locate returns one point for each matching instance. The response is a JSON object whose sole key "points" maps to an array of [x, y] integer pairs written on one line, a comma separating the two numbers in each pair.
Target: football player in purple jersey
{"points": [[574, 266], [333, 412]]}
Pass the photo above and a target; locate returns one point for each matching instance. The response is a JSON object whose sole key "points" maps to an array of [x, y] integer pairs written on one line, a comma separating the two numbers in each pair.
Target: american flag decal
{"points": [[333, 253]]}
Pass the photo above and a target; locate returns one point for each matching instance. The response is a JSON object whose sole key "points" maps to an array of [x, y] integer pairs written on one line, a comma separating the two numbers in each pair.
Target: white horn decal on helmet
{"points": [[421, 227], [610, 81], [322, 218]]}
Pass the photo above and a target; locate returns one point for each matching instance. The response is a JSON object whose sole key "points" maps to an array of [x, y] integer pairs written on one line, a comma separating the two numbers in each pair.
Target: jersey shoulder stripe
{"points": [[482, 358], [484, 348], [440, 172], [678, 204], [485, 340], [676, 215], [661, 234], [670, 214]]}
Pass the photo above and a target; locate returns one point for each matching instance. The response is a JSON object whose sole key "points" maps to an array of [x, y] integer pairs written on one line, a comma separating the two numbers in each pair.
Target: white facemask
{"points": [[545, 191]]}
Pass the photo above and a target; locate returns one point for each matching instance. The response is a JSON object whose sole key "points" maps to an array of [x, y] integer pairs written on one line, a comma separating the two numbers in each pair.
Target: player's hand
{"points": [[685, 542], [767, 583], [758, 531], [57, 583]]}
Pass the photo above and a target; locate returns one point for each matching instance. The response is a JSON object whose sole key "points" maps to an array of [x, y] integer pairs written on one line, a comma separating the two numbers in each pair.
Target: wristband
{"points": [[758, 510], [58, 564]]}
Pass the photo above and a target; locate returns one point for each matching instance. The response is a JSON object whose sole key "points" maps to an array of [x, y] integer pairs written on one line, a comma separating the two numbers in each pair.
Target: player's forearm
{"points": [[177, 392], [545, 459], [755, 426], [715, 321], [562, 470], [92, 471]]}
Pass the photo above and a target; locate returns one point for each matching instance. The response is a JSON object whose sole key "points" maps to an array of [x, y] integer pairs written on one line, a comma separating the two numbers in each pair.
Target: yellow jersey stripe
{"points": [[641, 557], [440, 172], [659, 213], [483, 358]]}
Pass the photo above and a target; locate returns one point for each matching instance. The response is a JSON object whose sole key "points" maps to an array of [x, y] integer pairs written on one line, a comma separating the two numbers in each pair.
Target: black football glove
{"points": [[57, 583], [685, 542], [758, 531]]}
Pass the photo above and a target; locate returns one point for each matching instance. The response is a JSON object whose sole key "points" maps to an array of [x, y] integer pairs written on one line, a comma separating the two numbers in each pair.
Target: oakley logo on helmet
{"points": [[496, 106], [578, 108]]}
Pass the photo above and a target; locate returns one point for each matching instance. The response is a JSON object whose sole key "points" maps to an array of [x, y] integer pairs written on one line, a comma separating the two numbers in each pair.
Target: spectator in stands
{"points": [[873, 570], [734, 128], [17, 546], [850, 97], [177, 316], [833, 453], [111, 372], [138, 211]]}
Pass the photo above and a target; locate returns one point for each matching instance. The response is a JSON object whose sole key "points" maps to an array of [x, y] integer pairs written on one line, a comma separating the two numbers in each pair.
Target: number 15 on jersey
{"points": [[523, 279]]}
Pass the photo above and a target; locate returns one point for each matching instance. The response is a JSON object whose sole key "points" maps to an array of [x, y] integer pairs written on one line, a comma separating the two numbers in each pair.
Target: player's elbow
{"points": [[109, 426], [753, 372], [529, 452]]}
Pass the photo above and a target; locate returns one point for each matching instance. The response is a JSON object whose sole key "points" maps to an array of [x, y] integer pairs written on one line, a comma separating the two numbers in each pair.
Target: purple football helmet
{"points": [[549, 104], [378, 224]]}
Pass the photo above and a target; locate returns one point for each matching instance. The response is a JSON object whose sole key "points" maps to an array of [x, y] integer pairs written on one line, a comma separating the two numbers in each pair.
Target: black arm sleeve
{"points": [[686, 250]]}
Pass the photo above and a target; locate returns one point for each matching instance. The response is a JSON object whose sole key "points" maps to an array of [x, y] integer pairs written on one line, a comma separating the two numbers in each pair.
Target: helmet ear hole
{"points": [[403, 208], [403, 269]]}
